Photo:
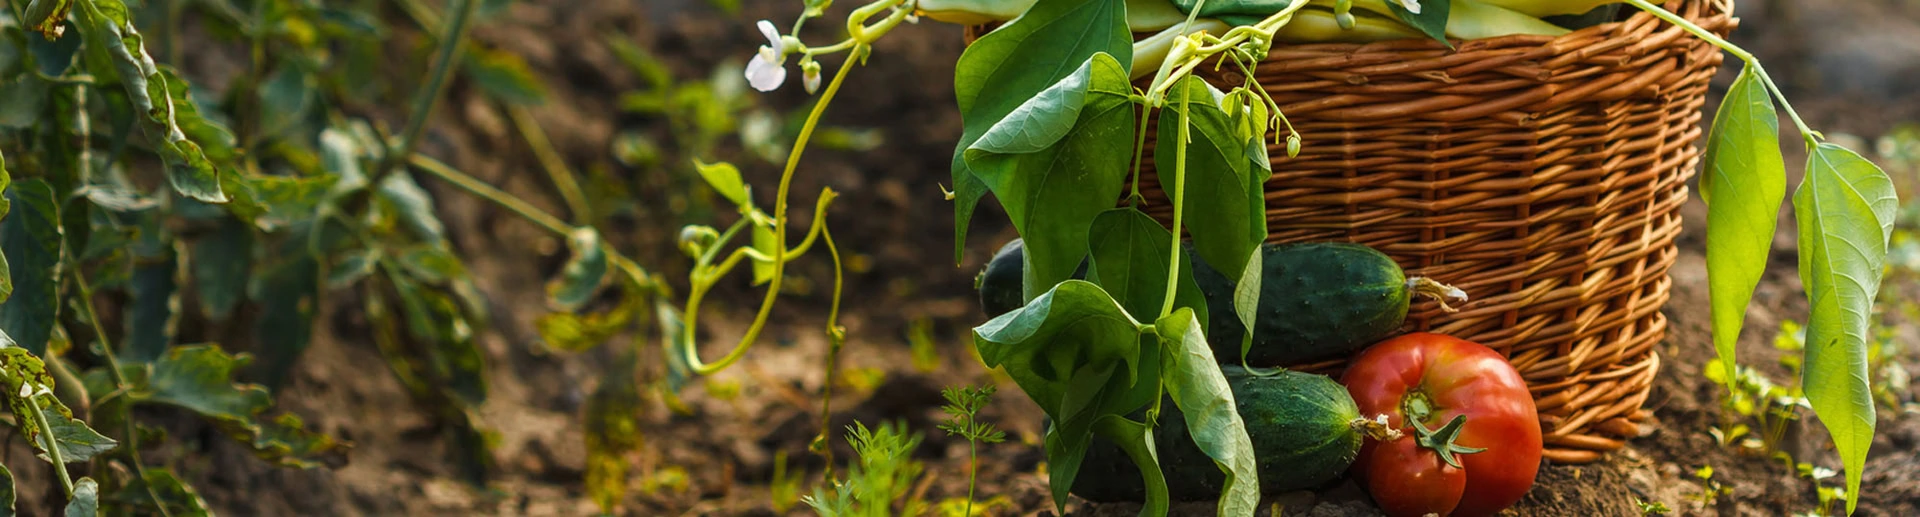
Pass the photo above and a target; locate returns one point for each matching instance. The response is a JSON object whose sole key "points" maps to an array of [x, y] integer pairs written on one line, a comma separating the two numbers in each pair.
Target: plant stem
{"points": [[779, 228], [973, 466], [563, 178], [119, 384], [1179, 198], [452, 42], [1806, 133], [51, 444], [837, 339], [532, 214]]}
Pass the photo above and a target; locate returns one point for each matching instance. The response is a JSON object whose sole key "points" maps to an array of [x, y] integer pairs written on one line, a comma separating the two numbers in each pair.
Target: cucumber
{"points": [[1317, 301], [1304, 427]]}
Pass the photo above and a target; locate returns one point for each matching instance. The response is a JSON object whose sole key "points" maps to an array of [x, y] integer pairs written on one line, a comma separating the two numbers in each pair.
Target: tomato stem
{"points": [[1441, 441]]}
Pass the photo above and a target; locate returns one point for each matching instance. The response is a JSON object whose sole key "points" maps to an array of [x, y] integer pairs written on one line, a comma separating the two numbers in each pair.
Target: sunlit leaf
{"points": [[104, 24], [78, 443], [725, 179], [1000, 71], [28, 389], [1053, 195], [1200, 390], [6, 205], [30, 238], [673, 332], [286, 441], [767, 243], [583, 274], [1845, 208], [1744, 184]]}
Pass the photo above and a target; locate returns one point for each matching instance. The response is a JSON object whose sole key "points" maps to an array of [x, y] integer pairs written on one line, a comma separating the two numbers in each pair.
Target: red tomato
{"points": [[1423, 381]]}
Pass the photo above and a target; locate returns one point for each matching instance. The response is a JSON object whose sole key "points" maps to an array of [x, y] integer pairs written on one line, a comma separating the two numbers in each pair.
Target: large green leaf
{"points": [[1845, 208], [1053, 194], [1745, 183], [28, 389], [200, 378], [1129, 261], [104, 24], [1194, 381], [1000, 71], [1078, 355], [54, 56], [1214, 180], [30, 239]]}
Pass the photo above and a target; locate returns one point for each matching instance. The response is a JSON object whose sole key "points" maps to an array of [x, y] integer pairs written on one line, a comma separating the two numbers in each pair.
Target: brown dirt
{"points": [[723, 450]]}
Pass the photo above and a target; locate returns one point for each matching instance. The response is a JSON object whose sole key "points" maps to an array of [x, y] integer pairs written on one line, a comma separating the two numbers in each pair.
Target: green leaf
{"points": [[7, 492], [1136, 439], [505, 76], [221, 260], [413, 205], [725, 179], [1431, 20], [285, 98], [1129, 261], [764, 241], [151, 319], [1194, 381], [1000, 71], [1246, 298], [1053, 194], [78, 443], [26, 100], [286, 442], [200, 378], [1080, 356], [86, 499], [54, 56], [353, 267], [583, 275], [1845, 208], [1745, 183], [180, 499], [432, 263], [30, 238], [673, 332], [1040, 121], [448, 349], [1216, 173], [104, 24], [287, 291], [276, 202]]}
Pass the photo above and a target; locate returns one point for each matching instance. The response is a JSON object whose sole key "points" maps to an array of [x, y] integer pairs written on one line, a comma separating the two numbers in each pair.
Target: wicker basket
{"points": [[1542, 175]]}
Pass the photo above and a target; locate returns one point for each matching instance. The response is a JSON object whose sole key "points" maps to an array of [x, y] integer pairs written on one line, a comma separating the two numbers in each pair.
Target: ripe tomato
{"points": [[1423, 383]]}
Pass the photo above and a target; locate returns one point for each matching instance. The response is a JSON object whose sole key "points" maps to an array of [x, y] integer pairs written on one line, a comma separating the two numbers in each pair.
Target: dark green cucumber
{"points": [[1303, 428], [1317, 301]]}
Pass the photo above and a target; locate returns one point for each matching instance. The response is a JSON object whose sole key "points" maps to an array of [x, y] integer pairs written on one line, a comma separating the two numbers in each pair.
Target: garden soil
{"points": [[721, 451]]}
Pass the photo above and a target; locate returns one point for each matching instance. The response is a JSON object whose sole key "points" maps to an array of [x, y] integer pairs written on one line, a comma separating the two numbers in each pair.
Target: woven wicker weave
{"points": [[1542, 175]]}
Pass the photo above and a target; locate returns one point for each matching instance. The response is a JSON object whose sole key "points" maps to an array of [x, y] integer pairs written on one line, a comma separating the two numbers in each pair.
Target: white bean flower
{"points": [[810, 76], [1413, 6], [766, 70]]}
